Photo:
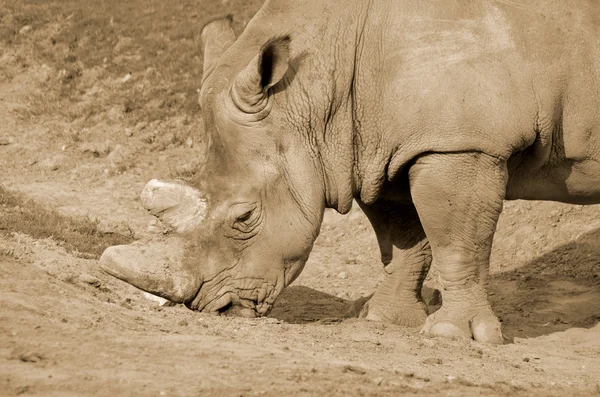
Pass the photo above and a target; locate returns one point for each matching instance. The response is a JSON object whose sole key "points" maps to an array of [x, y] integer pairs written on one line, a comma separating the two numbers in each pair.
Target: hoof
{"points": [[465, 313], [487, 329], [448, 329], [404, 314], [478, 324]]}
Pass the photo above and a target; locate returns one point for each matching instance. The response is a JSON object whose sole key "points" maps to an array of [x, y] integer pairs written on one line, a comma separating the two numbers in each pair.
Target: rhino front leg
{"points": [[459, 198], [406, 256]]}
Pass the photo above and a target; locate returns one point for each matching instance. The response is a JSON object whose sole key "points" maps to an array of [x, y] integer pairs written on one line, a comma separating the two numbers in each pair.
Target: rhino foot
{"points": [[462, 317], [405, 314]]}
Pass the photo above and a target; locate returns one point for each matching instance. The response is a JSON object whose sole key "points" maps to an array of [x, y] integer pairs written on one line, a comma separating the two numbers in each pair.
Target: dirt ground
{"points": [[85, 145]]}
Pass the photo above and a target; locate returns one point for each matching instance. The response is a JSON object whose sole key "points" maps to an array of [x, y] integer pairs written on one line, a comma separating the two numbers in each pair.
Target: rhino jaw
{"points": [[155, 267]]}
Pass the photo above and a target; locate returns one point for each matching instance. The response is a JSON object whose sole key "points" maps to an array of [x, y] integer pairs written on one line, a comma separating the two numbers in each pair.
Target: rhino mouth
{"points": [[243, 302], [228, 305]]}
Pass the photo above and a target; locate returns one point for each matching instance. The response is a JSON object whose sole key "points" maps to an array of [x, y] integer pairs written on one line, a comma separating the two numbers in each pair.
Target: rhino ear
{"points": [[250, 88], [217, 36]]}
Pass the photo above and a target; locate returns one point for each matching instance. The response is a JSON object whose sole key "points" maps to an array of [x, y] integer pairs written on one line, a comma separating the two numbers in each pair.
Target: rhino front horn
{"points": [[156, 267], [250, 87]]}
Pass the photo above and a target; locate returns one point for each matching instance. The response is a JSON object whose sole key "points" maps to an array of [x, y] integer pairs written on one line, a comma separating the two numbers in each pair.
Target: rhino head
{"points": [[243, 226]]}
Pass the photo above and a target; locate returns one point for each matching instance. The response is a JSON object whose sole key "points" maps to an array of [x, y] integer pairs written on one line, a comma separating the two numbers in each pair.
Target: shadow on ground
{"points": [[557, 291], [300, 305]]}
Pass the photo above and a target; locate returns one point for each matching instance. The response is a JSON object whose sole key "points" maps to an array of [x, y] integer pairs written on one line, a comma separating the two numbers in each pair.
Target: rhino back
{"points": [[490, 76]]}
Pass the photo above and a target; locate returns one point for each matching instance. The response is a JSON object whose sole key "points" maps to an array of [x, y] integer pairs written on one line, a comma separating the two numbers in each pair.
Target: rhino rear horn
{"points": [[180, 207], [216, 37], [250, 87], [156, 267]]}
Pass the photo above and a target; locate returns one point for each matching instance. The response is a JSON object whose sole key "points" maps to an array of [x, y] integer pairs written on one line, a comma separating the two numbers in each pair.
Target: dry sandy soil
{"points": [[92, 106]]}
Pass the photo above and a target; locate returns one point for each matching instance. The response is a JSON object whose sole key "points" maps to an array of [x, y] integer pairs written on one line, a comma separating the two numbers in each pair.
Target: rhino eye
{"points": [[245, 216]]}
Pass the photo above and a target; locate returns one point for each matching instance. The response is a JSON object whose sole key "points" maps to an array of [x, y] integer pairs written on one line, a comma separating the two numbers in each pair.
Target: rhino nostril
{"points": [[226, 310], [233, 310]]}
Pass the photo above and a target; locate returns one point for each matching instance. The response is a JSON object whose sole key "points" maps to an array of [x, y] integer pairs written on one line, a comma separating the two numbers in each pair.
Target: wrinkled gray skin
{"points": [[428, 113]]}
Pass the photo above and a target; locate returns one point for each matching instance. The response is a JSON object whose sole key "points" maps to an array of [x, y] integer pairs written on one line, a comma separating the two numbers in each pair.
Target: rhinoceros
{"points": [[428, 114]]}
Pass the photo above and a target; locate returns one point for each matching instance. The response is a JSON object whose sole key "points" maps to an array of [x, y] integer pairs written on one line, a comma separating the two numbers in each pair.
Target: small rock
{"points": [[6, 140], [478, 353], [126, 78], [126, 303], [118, 154], [89, 279], [154, 103], [342, 275], [67, 278], [141, 125], [189, 142], [128, 132], [378, 380], [168, 139], [53, 163], [148, 137], [115, 113], [97, 148], [31, 357], [25, 29], [432, 361], [355, 369], [123, 43], [183, 323]]}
